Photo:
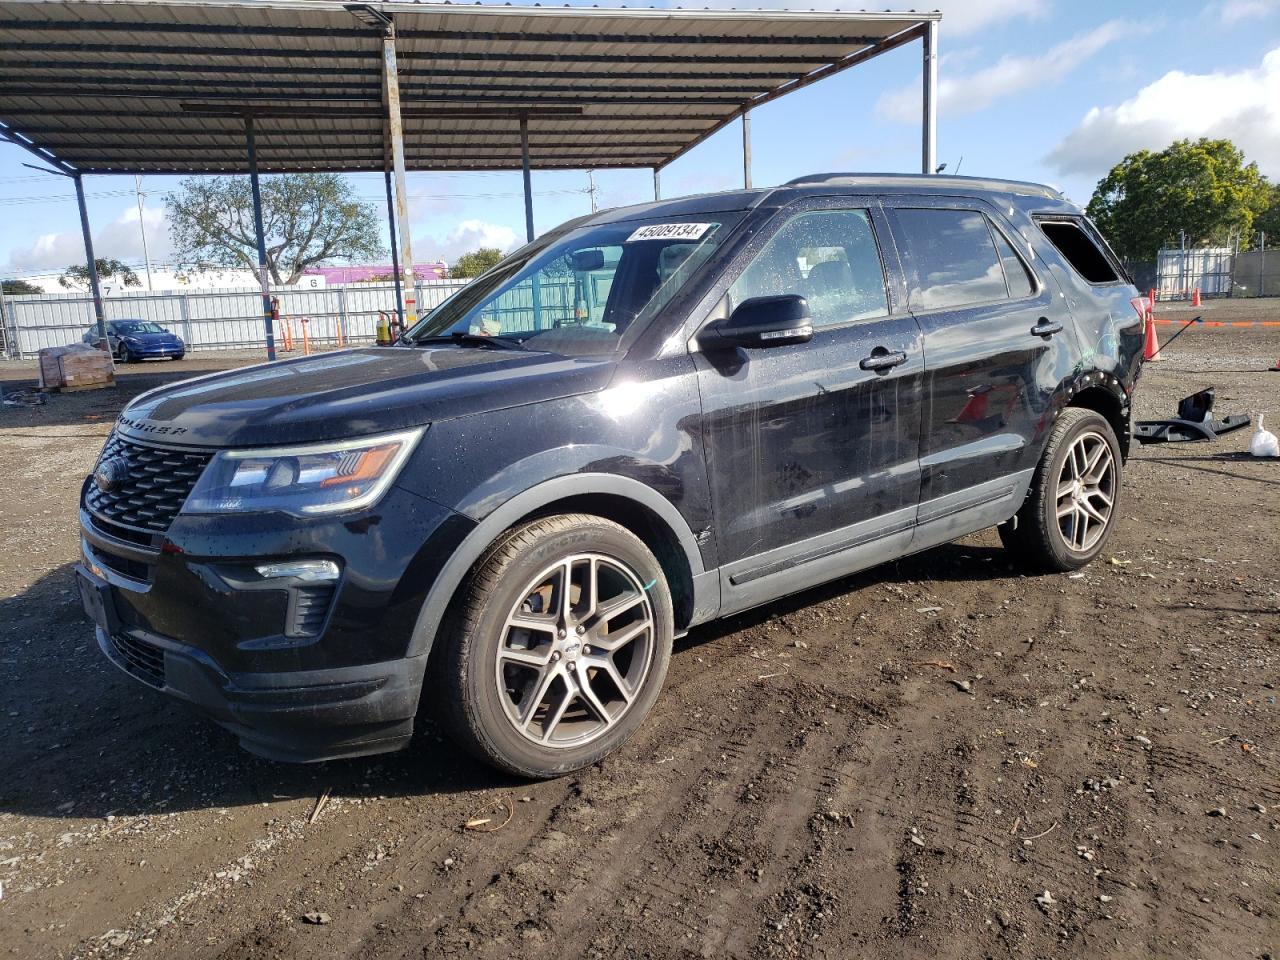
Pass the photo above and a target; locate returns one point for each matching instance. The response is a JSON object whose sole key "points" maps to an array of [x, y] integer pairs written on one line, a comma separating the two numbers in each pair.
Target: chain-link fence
{"points": [[1256, 274], [1214, 271], [213, 319]]}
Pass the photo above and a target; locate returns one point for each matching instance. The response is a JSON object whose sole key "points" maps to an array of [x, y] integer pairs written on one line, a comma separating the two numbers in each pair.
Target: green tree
{"points": [[1268, 221], [1203, 188], [76, 276], [307, 219], [475, 263], [19, 287]]}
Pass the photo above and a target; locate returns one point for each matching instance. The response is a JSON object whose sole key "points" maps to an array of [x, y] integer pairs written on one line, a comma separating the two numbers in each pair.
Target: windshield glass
{"points": [[578, 294], [137, 326]]}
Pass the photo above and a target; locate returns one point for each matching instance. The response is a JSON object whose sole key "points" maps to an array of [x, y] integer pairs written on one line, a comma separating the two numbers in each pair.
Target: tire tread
{"points": [[1030, 541], [456, 709]]}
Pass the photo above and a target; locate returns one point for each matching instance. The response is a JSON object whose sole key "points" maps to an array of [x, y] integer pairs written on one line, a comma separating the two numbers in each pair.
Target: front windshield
{"points": [[578, 294], [137, 326]]}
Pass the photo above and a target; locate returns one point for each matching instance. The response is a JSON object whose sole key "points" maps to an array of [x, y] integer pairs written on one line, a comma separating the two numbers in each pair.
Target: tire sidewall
{"points": [[1092, 423], [490, 723]]}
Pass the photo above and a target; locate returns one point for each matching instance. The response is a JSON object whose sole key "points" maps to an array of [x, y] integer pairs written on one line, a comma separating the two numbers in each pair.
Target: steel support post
{"points": [[395, 250], [528, 178], [94, 286], [657, 183], [395, 129], [929, 105], [268, 326], [535, 283], [746, 150]]}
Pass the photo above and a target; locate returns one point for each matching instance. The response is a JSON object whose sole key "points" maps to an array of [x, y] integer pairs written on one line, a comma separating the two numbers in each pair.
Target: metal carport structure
{"points": [[278, 86]]}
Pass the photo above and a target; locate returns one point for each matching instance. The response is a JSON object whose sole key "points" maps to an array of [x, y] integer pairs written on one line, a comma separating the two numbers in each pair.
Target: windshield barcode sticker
{"points": [[671, 231]]}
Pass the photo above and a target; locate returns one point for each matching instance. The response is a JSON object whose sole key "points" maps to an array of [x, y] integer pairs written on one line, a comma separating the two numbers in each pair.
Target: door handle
{"points": [[1046, 328], [881, 360]]}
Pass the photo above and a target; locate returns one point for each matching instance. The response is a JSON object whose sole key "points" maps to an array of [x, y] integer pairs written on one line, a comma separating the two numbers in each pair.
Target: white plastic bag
{"points": [[1263, 443]]}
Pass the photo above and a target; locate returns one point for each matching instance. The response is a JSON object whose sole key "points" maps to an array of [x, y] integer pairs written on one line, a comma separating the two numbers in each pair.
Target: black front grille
{"points": [[140, 659], [142, 538], [154, 486], [126, 567]]}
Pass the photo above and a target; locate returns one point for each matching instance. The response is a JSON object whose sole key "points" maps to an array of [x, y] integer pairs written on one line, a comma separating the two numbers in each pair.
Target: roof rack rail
{"points": [[923, 179]]}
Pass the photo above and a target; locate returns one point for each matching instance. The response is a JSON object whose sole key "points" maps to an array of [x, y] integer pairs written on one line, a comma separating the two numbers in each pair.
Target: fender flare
{"points": [[1110, 383], [487, 530]]}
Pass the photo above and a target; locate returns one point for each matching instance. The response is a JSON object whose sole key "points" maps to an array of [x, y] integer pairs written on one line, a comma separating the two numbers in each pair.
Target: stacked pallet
{"points": [[76, 367]]}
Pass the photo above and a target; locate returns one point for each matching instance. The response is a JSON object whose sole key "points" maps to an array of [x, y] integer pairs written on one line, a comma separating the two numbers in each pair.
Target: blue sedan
{"points": [[132, 340]]}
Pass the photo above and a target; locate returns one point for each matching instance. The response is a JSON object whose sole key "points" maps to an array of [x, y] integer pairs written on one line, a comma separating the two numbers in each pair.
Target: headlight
{"points": [[303, 481]]}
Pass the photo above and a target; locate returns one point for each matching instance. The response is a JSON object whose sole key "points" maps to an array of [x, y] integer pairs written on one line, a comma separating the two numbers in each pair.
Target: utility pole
{"points": [[142, 228], [591, 188]]}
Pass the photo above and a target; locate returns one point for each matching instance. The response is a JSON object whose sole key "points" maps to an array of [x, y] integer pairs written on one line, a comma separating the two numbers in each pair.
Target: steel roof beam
{"points": [[265, 156], [361, 137], [303, 91], [20, 139], [404, 35], [266, 168], [372, 74], [146, 50], [532, 100], [226, 112]]}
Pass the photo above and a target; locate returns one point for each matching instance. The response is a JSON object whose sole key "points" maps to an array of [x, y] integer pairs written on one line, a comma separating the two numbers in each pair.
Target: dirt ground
{"points": [[814, 782]]}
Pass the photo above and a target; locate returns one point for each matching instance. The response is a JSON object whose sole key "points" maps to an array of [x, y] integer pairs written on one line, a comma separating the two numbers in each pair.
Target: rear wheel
{"points": [[559, 646], [1070, 510]]}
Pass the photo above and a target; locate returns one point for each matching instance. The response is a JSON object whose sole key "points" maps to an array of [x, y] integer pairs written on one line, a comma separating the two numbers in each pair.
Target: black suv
{"points": [[648, 418]]}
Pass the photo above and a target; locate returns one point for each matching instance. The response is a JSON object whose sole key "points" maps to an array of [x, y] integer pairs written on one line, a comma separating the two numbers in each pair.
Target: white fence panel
{"points": [[215, 319], [1179, 271]]}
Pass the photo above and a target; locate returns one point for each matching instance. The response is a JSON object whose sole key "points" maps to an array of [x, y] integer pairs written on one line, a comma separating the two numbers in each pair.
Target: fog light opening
{"points": [[309, 571]]}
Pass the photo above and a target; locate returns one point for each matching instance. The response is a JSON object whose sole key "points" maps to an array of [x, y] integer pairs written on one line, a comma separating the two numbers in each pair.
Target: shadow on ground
{"points": [[91, 741]]}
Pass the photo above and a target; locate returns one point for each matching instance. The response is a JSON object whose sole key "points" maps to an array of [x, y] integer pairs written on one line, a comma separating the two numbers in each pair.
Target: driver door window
{"points": [[829, 257]]}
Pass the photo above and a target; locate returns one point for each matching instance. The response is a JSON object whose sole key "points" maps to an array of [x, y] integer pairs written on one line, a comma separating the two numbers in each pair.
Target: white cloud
{"points": [[465, 237], [961, 17], [120, 239], [1233, 11], [1242, 106], [969, 93]]}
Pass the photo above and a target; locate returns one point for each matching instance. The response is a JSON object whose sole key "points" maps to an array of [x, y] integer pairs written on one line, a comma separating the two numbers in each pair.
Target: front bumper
{"points": [[149, 352], [183, 613], [302, 716]]}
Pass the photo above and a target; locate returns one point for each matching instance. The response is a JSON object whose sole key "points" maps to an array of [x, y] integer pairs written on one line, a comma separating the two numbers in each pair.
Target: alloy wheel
{"points": [[576, 650], [1086, 492]]}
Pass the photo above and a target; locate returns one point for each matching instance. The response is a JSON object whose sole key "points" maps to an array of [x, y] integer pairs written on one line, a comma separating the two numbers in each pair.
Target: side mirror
{"points": [[761, 322], [584, 261]]}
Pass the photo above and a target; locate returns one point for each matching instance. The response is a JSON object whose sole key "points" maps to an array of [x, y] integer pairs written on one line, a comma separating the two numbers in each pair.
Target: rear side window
{"points": [[1079, 250], [955, 258]]}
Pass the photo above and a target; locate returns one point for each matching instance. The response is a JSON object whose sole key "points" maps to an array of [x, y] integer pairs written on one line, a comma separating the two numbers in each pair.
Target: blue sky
{"points": [[1049, 90]]}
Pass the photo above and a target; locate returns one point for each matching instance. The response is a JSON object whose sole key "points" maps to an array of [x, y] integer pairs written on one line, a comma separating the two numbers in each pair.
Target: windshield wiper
{"points": [[474, 340]]}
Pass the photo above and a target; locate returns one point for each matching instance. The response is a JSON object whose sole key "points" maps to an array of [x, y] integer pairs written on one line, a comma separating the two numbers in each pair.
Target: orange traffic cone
{"points": [[1151, 349], [1195, 296]]}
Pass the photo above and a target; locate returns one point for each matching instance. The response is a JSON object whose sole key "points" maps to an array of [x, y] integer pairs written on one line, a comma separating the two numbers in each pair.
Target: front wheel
{"points": [[558, 647], [1071, 507]]}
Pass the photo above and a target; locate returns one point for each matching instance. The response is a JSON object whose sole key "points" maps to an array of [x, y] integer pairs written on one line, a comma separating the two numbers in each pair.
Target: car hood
{"points": [[353, 393]]}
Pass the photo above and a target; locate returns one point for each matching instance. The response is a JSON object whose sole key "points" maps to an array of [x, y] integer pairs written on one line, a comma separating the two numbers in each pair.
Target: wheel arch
{"points": [[627, 502], [1104, 395]]}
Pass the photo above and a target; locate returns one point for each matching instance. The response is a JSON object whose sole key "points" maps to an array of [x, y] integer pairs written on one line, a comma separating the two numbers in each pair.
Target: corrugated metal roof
{"points": [[162, 85]]}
